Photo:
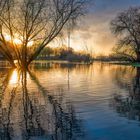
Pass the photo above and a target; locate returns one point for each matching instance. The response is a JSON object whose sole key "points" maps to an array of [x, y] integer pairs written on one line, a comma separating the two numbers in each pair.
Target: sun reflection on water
{"points": [[15, 77]]}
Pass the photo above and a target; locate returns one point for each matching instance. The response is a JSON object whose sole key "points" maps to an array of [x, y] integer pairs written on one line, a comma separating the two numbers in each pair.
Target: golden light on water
{"points": [[14, 78], [17, 77]]}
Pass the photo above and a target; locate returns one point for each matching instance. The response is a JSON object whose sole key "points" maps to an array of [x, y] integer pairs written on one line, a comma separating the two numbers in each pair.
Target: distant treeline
{"points": [[68, 54], [64, 53], [112, 57]]}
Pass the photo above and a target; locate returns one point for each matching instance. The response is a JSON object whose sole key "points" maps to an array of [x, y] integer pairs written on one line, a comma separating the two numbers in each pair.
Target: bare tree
{"points": [[27, 26], [127, 27]]}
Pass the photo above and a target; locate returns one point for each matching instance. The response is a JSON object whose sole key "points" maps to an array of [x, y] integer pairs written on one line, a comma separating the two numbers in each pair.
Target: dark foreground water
{"points": [[70, 102]]}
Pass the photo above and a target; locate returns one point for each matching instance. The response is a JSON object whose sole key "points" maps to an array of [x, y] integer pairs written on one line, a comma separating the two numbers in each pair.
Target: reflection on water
{"points": [[70, 102], [15, 78], [25, 114], [129, 106]]}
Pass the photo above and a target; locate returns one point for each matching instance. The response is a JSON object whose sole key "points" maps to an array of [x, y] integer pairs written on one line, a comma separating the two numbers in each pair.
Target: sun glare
{"points": [[30, 43], [16, 40], [7, 37], [14, 78]]}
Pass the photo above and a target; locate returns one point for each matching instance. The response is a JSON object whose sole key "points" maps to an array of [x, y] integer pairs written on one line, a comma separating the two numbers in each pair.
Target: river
{"points": [[56, 101]]}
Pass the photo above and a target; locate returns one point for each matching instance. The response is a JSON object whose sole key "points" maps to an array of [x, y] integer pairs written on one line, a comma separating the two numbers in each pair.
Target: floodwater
{"points": [[70, 102]]}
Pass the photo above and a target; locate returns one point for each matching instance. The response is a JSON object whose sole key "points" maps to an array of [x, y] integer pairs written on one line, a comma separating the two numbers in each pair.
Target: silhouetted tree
{"points": [[27, 26], [127, 27]]}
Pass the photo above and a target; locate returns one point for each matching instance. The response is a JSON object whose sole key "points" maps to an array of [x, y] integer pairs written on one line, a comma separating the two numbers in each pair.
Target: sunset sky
{"points": [[94, 29]]}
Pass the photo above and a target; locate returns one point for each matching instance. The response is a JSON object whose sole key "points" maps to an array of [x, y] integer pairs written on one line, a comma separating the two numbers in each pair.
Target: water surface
{"points": [[70, 102]]}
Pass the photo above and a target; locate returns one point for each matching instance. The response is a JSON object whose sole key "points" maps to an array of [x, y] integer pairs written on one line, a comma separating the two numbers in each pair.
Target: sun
{"points": [[7, 37], [17, 40], [30, 43]]}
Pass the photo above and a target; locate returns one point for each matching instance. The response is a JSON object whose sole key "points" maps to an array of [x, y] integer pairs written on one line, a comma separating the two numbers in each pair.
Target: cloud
{"points": [[94, 29]]}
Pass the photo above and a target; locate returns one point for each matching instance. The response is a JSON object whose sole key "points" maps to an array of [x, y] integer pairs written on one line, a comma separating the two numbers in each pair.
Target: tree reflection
{"points": [[65, 123], [6, 130], [26, 113], [129, 106]]}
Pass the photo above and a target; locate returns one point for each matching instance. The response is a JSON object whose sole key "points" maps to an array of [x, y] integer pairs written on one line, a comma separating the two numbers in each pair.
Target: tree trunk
{"points": [[138, 57], [12, 64]]}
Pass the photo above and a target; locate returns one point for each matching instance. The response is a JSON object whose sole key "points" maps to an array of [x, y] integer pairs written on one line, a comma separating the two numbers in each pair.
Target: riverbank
{"points": [[61, 61]]}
